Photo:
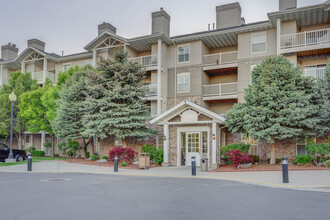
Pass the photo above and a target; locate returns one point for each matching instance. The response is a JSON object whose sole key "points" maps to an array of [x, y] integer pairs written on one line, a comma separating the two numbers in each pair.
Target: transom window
{"points": [[183, 54], [252, 142], [258, 42], [183, 82]]}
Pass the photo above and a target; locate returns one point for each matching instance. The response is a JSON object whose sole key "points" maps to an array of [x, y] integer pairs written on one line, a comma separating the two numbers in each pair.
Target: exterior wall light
{"points": [[213, 136]]}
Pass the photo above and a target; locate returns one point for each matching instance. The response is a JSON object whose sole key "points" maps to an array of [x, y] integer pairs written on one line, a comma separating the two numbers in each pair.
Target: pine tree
{"points": [[277, 105], [67, 123], [114, 103]]}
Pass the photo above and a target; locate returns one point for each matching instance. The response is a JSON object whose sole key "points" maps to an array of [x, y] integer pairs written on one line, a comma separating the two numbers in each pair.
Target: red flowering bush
{"points": [[237, 157], [124, 154]]}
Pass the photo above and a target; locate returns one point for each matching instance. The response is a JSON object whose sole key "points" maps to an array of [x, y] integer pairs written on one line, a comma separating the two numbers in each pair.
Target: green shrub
{"points": [[56, 155], [88, 155], [94, 157], [123, 164], [38, 153], [155, 154], [255, 158], [237, 146], [304, 159], [327, 164], [48, 144], [318, 151], [31, 149], [69, 148], [105, 157]]}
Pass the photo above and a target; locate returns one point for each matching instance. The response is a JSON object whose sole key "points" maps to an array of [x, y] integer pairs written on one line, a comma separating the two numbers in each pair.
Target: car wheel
{"points": [[19, 158]]}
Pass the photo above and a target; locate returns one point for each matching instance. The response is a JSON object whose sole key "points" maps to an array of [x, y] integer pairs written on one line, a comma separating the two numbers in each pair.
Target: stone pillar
{"points": [[159, 77], [214, 145], [278, 36], [94, 57], [166, 146]]}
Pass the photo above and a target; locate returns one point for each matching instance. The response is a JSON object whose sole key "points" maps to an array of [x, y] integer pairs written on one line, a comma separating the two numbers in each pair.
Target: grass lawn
{"points": [[34, 160]]}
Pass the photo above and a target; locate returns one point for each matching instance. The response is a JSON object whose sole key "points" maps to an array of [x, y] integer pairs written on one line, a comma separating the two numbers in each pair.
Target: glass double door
{"points": [[196, 145]]}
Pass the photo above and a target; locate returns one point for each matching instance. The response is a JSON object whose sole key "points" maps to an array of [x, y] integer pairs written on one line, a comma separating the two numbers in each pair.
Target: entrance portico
{"points": [[190, 130]]}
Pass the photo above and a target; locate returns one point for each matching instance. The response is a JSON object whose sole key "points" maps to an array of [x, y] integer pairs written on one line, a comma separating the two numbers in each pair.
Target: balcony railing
{"points": [[306, 38], [147, 61], [39, 76], [151, 90], [221, 89], [220, 59], [316, 72]]}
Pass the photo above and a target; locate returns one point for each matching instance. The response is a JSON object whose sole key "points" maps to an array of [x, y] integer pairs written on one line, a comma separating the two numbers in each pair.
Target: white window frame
{"points": [[182, 75], [185, 45], [257, 145], [67, 64], [259, 33]]}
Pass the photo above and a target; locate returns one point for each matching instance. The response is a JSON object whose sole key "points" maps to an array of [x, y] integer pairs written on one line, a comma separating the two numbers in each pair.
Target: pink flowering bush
{"points": [[124, 154], [237, 157]]}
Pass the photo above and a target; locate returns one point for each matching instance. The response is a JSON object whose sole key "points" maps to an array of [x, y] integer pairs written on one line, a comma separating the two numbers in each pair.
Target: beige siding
{"points": [[221, 108], [223, 79], [288, 27]]}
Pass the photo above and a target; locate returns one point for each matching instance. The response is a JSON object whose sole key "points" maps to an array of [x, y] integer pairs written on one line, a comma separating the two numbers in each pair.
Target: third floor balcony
{"points": [[303, 41], [220, 60], [150, 61]]}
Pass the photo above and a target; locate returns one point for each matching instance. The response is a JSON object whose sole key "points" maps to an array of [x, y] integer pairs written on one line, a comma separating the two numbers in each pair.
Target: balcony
{"points": [[151, 92], [220, 60], [150, 62], [220, 91], [308, 40], [39, 76], [316, 72]]}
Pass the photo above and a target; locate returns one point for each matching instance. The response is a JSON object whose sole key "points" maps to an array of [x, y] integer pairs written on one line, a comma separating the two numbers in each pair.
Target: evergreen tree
{"points": [[277, 104], [18, 83], [68, 121], [114, 103], [322, 99]]}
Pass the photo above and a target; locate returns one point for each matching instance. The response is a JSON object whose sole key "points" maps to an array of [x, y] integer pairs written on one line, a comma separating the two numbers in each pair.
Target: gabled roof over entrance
{"points": [[184, 106]]}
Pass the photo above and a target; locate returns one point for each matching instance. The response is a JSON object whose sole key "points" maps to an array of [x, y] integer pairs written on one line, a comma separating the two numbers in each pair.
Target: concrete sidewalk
{"points": [[316, 180]]}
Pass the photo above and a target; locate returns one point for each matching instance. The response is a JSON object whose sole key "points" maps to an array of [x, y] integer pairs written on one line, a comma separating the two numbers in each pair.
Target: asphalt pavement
{"points": [[80, 196]]}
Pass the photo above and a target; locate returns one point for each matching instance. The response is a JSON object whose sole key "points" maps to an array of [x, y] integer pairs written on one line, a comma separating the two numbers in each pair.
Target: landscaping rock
{"points": [[90, 159], [101, 161]]}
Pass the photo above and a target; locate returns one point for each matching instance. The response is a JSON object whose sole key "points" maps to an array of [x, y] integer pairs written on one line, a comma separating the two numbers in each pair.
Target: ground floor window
{"points": [[27, 139], [302, 142], [252, 142]]}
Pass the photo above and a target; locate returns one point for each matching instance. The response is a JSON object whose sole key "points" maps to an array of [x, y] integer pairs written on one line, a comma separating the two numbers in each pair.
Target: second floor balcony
{"points": [[39, 76], [315, 72], [220, 60], [308, 40], [220, 91], [151, 92], [150, 61]]}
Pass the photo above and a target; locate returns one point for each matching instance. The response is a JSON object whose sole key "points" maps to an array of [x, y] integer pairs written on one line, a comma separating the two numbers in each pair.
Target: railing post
{"points": [[220, 59], [141, 60], [305, 38], [220, 89]]}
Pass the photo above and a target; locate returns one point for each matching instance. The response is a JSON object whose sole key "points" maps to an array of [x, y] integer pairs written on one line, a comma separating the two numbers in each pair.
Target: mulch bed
{"points": [[267, 167], [105, 164]]}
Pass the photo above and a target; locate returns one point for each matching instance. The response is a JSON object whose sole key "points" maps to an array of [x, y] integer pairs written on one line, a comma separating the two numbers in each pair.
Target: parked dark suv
{"points": [[19, 155]]}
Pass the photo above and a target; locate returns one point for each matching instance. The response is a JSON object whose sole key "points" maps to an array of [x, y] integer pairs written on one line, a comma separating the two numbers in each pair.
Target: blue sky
{"points": [[69, 25]]}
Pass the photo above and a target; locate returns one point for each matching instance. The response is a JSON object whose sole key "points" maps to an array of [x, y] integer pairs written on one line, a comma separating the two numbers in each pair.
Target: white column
{"points": [[214, 143], [23, 67], [125, 48], [166, 145], [94, 57], [45, 71], [43, 137], [159, 77], [278, 36]]}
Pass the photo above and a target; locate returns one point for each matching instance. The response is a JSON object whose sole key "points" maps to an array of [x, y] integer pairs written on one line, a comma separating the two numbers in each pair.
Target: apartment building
{"points": [[195, 78]]}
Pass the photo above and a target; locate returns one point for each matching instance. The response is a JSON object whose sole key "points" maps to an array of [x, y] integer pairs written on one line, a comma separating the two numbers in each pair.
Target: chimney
{"points": [[160, 22], [106, 27], [287, 4], [38, 44], [9, 51], [228, 15]]}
